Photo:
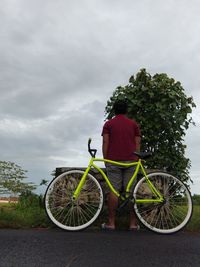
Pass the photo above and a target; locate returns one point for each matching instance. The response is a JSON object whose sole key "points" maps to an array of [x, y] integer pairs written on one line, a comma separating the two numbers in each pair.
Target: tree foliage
{"points": [[12, 179], [158, 103]]}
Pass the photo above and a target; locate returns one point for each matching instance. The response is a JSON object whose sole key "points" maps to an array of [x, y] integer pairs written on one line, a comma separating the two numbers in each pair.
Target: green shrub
{"points": [[194, 224], [196, 199], [29, 199], [27, 213]]}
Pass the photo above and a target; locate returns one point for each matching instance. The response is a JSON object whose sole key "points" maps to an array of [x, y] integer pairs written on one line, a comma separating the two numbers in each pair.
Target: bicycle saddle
{"points": [[143, 155]]}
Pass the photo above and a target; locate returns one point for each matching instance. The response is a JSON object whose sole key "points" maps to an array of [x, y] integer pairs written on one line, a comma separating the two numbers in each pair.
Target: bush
{"points": [[29, 212], [29, 199], [196, 199]]}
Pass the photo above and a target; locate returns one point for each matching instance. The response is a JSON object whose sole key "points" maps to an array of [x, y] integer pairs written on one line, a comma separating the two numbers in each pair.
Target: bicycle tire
{"points": [[69, 214], [170, 216]]}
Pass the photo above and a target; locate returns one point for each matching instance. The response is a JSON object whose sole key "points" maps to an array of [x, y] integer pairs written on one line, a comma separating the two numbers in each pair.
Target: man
{"points": [[121, 137]]}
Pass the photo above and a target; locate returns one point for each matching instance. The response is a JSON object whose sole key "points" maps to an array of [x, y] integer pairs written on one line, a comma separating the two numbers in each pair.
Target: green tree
{"points": [[12, 179], [158, 103], [44, 182]]}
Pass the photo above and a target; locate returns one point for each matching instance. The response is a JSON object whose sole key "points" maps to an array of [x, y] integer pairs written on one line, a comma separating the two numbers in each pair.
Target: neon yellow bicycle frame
{"points": [[158, 198]]}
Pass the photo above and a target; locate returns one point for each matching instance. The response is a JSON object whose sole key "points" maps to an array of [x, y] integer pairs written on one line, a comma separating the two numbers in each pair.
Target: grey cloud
{"points": [[58, 58], [43, 138], [41, 147]]}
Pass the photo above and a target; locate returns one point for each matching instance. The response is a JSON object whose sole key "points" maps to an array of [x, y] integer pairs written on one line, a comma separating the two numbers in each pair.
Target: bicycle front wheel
{"points": [[70, 214], [173, 213]]}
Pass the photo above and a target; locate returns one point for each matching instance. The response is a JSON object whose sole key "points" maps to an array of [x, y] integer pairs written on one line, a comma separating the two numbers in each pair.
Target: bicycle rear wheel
{"points": [[173, 213], [70, 214]]}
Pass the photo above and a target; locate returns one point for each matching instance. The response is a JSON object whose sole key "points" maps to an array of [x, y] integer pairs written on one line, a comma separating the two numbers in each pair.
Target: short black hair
{"points": [[120, 107]]}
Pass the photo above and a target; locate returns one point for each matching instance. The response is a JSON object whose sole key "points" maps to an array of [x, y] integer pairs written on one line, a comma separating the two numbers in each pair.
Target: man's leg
{"points": [[112, 206], [127, 174], [133, 221], [115, 176]]}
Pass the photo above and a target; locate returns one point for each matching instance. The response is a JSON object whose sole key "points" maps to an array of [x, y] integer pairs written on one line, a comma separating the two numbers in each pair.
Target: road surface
{"points": [[57, 248]]}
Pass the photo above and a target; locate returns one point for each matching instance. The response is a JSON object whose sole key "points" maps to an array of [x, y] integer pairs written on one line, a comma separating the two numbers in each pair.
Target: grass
{"points": [[27, 213], [13, 216], [31, 214], [122, 221], [194, 224]]}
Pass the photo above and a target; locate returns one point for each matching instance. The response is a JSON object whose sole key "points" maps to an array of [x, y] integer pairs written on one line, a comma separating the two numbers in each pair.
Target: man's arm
{"points": [[137, 141], [105, 145]]}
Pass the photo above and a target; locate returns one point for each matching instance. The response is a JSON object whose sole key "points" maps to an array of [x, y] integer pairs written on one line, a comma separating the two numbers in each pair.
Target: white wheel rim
{"points": [[70, 228], [164, 231]]}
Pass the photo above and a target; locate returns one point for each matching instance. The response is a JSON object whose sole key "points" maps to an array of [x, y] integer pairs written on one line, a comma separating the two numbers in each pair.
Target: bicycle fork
{"points": [[81, 183]]}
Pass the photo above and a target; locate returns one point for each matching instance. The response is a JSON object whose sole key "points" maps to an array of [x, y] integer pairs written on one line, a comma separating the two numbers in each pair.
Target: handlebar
{"points": [[141, 155], [91, 151]]}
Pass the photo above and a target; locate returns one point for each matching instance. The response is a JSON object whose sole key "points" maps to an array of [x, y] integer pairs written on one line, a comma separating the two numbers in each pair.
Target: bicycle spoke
{"points": [[72, 214], [91, 209], [169, 216]]}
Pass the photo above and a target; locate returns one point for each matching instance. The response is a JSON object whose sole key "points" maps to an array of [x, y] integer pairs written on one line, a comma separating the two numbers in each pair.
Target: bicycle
{"points": [[162, 203]]}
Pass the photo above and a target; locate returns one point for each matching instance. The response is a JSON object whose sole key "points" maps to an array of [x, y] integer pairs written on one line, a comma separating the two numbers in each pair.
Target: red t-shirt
{"points": [[122, 132]]}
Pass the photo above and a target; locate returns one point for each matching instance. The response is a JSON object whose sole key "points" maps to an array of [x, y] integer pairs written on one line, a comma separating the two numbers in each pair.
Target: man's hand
{"points": [[138, 141]]}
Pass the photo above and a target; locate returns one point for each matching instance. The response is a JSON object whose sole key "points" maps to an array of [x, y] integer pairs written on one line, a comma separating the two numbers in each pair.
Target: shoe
{"points": [[106, 227], [136, 228]]}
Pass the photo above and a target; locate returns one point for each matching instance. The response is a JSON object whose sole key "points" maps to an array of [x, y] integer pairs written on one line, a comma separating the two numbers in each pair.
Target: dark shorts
{"points": [[120, 176]]}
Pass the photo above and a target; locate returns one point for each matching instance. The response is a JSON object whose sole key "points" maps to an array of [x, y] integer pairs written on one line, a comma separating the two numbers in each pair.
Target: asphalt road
{"points": [[59, 248]]}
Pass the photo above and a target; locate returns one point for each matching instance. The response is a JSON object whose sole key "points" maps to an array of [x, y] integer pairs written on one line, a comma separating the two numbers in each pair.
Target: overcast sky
{"points": [[60, 61]]}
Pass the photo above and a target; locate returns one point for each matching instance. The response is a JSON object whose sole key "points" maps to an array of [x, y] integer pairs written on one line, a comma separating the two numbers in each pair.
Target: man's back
{"points": [[122, 132]]}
